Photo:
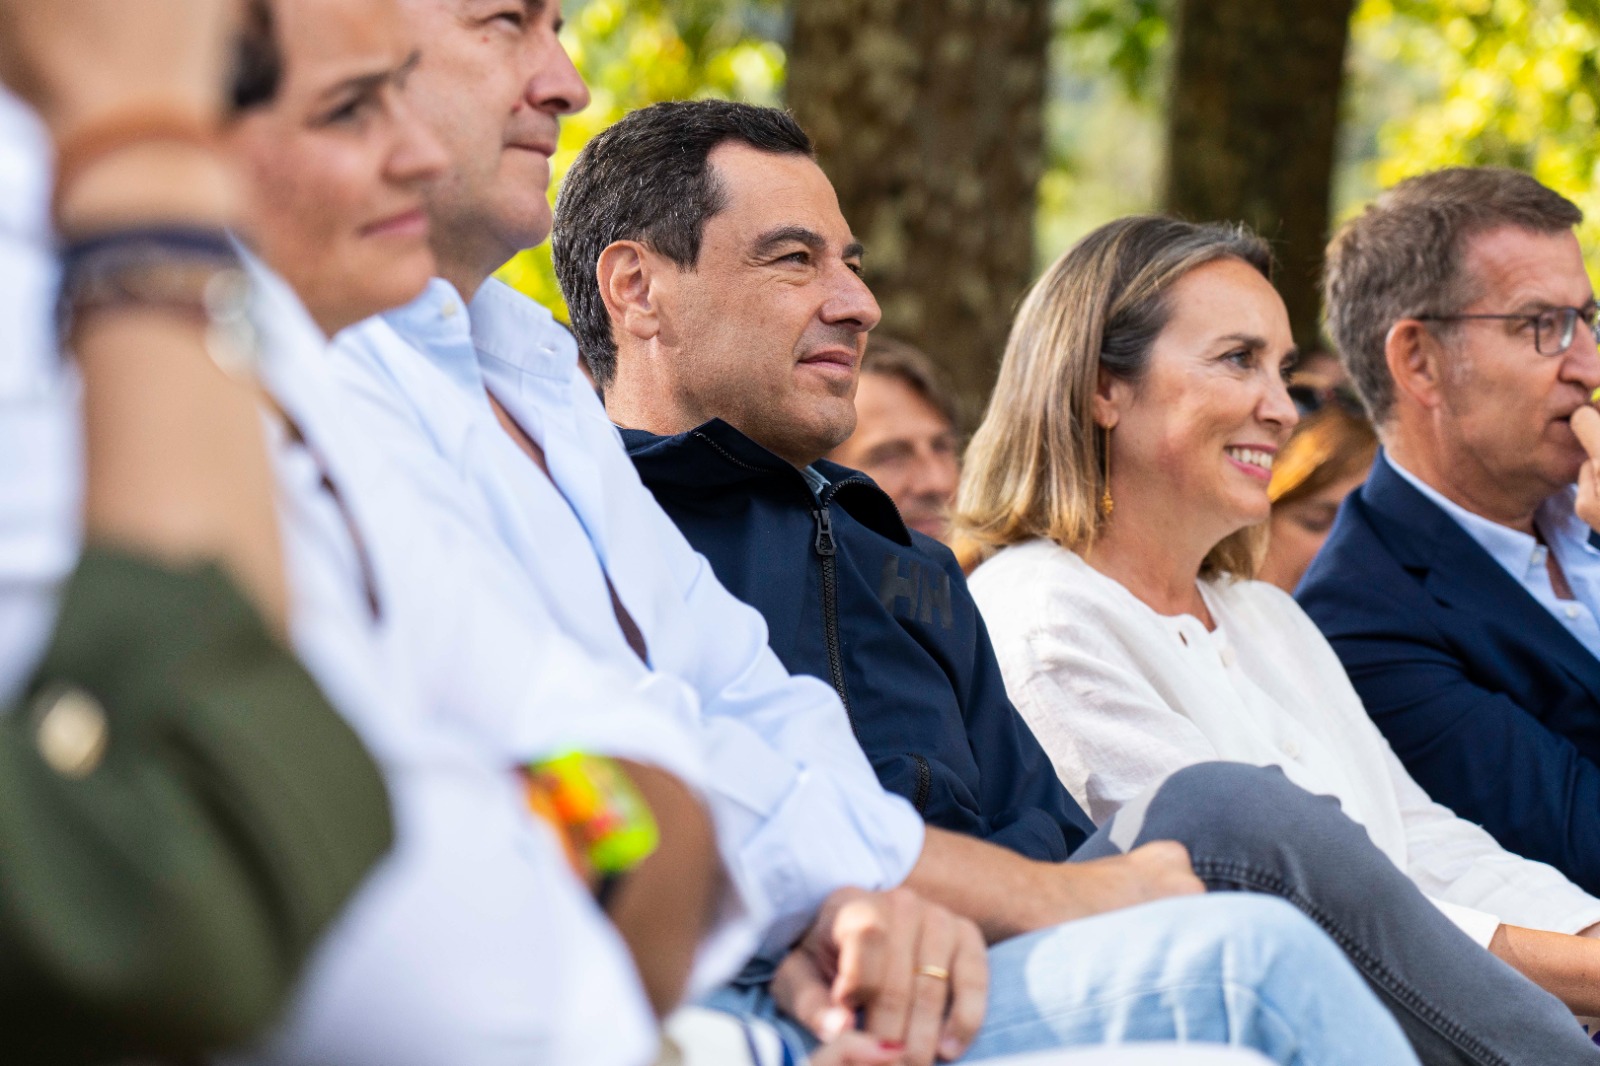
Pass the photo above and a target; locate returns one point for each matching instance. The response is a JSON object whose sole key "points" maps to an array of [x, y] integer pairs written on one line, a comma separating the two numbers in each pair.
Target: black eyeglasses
{"points": [[1553, 328]]}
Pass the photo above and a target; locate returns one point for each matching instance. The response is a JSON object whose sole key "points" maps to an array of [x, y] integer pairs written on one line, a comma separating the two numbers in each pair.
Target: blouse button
{"points": [[71, 732]]}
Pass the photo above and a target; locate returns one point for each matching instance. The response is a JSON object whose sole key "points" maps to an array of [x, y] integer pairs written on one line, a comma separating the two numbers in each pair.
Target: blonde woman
{"points": [[1118, 488]]}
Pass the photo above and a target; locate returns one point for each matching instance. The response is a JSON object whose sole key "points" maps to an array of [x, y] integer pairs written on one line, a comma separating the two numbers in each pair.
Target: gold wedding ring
{"points": [[938, 973]]}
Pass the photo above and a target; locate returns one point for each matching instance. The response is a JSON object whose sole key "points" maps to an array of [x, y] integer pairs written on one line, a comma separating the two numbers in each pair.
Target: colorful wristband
{"points": [[604, 821]]}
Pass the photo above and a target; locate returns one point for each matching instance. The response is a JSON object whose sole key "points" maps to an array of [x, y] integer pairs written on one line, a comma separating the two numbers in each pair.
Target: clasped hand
{"points": [[915, 975]]}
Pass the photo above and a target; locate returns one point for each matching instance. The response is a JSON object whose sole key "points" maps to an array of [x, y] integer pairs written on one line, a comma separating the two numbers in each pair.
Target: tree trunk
{"points": [[928, 116], [1251, 128]]}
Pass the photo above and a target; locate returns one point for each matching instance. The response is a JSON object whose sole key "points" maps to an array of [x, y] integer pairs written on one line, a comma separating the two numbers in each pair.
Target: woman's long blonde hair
{"points": [[1035, 467]]}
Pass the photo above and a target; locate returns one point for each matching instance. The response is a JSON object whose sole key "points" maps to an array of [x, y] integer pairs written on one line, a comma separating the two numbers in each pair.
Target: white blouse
{"points": [[1121, 696]]}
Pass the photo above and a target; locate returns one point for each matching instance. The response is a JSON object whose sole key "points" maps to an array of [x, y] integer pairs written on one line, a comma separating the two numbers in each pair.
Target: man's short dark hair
{"points": [[911, 366], [647, 179], [1405, 256]]}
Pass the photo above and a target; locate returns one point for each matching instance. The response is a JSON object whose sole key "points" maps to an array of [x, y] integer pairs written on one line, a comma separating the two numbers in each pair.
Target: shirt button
{"points": [[1572, 610], [1291, 749], [1229, 657], [72, 732], [448, 309]]}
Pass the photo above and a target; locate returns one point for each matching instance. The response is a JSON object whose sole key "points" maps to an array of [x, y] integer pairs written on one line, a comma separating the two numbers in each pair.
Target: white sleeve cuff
{"points": [[1479, 925]]}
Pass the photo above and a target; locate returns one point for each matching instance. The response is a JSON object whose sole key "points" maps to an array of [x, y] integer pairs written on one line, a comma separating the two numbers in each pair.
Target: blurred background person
{"points": [[906, 436], [1319, 379], [1325, 460]]}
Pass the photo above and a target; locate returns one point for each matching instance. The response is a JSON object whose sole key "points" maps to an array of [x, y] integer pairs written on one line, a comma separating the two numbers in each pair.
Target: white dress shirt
{"points": [[1527, 560], [471, 943], [1121, 696], [799, 811]]}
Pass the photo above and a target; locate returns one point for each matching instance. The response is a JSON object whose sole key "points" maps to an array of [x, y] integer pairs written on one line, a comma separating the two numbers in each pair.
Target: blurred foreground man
{"points": [[1458, 586], [905, 437]]}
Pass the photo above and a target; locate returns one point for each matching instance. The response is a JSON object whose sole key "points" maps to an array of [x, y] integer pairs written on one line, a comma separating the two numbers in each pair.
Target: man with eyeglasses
{"points": [[1458, 586]]}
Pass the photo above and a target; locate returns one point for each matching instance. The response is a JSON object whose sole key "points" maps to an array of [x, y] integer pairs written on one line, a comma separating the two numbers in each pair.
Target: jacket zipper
{"points": [[826, 550]]}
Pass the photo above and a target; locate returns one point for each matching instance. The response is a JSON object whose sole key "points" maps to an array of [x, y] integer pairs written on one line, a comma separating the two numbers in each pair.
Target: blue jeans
{"points": [[1249, 829], [1236, 969]]}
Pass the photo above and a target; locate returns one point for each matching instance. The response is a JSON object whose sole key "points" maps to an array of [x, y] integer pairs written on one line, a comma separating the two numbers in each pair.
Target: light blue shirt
{"points": [[1527, 561], [814, 478], [799, 811], [472, 942]]}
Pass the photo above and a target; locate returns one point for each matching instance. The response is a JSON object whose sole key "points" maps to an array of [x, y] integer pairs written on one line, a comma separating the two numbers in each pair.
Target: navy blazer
{"points": [[1489, 701]]}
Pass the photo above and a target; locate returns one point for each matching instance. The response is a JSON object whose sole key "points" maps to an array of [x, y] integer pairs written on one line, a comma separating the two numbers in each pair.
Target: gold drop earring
{"points": [[1106, 503]]}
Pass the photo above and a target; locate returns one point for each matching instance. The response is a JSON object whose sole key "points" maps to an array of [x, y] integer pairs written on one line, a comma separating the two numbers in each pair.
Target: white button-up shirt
{"points": [[799, 811], [1527, 561], [471, 942], [1121, 696]]}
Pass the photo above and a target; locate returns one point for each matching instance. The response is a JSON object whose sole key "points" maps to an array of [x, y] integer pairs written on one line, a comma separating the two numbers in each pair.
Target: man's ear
{"points": [[627, 272], [1415, 359], [1111, 395]]}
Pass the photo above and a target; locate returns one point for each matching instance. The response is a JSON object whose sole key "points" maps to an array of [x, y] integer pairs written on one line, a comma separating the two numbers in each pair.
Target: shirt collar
{"points": [[288, 339], [814, 478], [438, 325], [1517, 552], [521, 333]]}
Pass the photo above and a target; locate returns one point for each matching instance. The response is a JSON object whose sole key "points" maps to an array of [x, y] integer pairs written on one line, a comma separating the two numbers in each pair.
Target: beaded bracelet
{"points": [[190, 270]]}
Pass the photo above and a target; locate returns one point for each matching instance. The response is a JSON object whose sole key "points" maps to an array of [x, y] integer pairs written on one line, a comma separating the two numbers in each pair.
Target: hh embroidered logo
{"points": [[924, 592]]}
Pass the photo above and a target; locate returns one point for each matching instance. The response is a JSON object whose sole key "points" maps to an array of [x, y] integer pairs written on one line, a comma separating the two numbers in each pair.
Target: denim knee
{"points": [[1232, 791], [1249, 827], [1260, 932], [1224, 801]]}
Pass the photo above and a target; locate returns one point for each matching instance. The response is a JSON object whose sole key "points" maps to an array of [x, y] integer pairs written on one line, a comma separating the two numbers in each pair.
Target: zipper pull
{"points": [[824, 544]]}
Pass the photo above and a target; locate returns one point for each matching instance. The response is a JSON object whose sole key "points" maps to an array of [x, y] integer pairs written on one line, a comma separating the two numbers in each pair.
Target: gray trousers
{"points": [[1248, 829]]}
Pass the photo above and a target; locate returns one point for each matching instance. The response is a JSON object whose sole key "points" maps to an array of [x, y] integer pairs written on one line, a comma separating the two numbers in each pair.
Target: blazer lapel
{"points": [[1459, 573]]}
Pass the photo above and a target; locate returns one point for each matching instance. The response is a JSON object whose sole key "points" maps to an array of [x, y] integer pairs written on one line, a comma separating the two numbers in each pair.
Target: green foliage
{"points": [[1103, 128], [638, 52], [1503, 82], [1431, 83], [1132, 35]]}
